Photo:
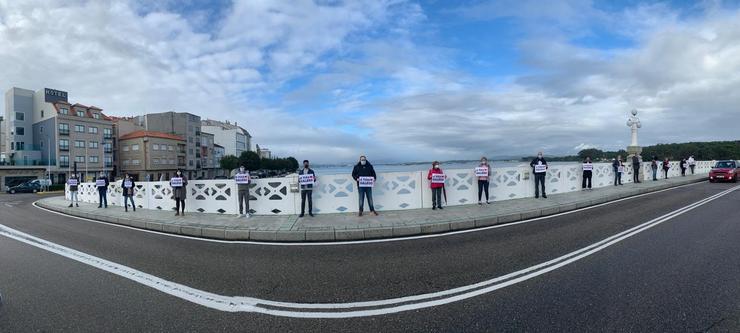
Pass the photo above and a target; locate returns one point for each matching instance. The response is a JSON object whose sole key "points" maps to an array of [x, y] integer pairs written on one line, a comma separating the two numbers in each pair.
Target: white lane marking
{"points": [[249, 304], [369, 241]]}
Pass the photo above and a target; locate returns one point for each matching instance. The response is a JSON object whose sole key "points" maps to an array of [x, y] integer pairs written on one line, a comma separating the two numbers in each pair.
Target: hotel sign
{"points": [[52, 95]]}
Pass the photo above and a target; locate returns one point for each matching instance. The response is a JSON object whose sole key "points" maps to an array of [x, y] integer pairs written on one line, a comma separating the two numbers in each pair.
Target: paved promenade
{"points": [[343, 227]]}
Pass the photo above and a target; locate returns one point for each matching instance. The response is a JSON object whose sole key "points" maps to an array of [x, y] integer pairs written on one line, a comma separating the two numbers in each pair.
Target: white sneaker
{"points": [[247, 215]]}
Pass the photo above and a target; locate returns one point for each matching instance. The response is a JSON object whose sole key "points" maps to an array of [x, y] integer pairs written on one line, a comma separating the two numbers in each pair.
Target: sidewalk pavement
{"points": [[344, 227]]}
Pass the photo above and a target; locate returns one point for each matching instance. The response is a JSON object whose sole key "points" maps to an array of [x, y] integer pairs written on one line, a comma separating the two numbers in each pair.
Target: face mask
{"points": [[305, 166], [363, 162], [539, 156], [483, 161], [178, 173], [436, 166], [241, 169]]}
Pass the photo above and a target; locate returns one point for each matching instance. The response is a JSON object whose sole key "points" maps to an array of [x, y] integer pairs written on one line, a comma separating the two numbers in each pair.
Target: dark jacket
{"points": [[360, 170], [128, 192], [635, 160], [73, 188], [616, 164], [180, 192], [309, 172], [535, 161], [666, 164], [654, 165], [100, 188]]}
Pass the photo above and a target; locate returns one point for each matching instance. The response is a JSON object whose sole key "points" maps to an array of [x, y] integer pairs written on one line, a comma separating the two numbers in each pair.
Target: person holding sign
{"points": [[666, 167], [179, 191], [692, 163], [306, 179], [102, 184], [654, 168], [364, 174], [242, 181], [684, 165], [73, 183], [588, 169], [539, 167], [618, 167], [128, 185], [437, 178], [483, 173]]}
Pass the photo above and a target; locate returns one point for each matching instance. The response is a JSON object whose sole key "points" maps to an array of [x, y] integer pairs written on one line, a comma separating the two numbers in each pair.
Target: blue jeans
{"points": [[655, 174], [361, 193], [103, 198], [128, 198]]}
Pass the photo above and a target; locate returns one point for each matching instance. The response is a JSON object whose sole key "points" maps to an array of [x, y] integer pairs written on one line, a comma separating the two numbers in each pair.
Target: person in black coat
{"points": [[307, 190], [588, 168], [127, 186], [539, 177], [636, 168], [102, 184], [363, 169]]}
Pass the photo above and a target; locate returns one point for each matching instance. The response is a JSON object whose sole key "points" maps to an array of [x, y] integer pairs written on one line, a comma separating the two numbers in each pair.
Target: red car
{"points": [[725, 171]]}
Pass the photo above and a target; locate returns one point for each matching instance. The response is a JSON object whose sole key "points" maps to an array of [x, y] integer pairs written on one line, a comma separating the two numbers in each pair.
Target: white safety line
{"points": [[356, 309], [368, 241]]}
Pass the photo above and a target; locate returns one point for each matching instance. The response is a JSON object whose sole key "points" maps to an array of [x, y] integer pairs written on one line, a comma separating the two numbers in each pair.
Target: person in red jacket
{"points": [[437, 184]]}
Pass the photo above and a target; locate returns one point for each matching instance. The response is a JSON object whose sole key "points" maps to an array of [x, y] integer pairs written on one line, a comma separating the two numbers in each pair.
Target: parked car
{"points": [[725, 171], [27, 187]]}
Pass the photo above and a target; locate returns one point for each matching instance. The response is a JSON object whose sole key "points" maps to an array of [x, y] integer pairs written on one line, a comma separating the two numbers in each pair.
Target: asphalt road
{"points": [[682, 275]]}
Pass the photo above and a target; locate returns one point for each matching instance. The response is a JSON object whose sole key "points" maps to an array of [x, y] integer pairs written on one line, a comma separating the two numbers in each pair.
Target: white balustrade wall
{"points": [[392, 191]]}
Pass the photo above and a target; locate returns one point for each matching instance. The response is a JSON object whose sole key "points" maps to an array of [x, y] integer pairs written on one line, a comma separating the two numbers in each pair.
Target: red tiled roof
{"points": [[150, 134]]}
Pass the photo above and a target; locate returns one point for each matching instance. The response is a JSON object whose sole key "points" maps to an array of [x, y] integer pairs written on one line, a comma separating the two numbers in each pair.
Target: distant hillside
{"points": [[716, 150]]}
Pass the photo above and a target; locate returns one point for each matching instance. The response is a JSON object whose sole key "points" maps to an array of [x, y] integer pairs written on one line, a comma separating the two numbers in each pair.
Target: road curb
{"points": [[329, 235]]}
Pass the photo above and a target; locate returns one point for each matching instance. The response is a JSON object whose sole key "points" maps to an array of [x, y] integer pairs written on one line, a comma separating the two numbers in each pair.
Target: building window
{"points": [[80, 128], [171, 148], [79, 144], [64, 111], [107, 133], [63, 144], [108, 161], [155, 146], [92, 159], [64, 129], [135, 147], [92, 144], [80, 113], [63, 161], [108, 147], [135, 162], [190, 162], [96, 115], [20, 145], [155, 161], [125, 148], [20, 131], [126, 162], [92, 130], [20, 116], [42, 113], [80, 159]]}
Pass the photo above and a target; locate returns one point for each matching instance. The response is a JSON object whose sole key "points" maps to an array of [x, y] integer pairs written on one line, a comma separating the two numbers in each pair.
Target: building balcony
{"points": [[63, 132], [63, 148], [108, 136]]}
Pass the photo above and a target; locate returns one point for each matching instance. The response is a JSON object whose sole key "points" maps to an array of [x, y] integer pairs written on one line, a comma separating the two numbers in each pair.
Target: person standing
{"points": [[483, 172], [666, 167], [128, 185], [364, 174], [73, 182], [692, 163], [618, 167], [242, 180], [306, 182], [539, 168], [654, 167], [179, 185], [636, 168], [684, 165], [588, 168], [102, 184], [437, 178]]}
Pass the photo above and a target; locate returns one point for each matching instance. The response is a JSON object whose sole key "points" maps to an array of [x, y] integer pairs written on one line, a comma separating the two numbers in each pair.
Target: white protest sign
{"points": [[127, 184], [540, 168], [620, 169], [481, 172], [438, 178], [366, 181], [74, 182], [307, 179], [241, 178], [100, 182], [588, 167], [176, 182]]}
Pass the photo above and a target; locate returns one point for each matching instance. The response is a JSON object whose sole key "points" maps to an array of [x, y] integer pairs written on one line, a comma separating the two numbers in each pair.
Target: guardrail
{"points": [[392, 191]]}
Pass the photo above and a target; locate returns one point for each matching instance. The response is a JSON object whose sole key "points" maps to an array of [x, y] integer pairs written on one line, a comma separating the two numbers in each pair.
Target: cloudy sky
{"points": [[397, 80]]}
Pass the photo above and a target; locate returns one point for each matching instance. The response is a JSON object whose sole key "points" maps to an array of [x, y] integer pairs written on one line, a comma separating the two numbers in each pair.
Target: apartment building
{"points": [[233, 138], [46, 130], [151, 155], [181, 124]]}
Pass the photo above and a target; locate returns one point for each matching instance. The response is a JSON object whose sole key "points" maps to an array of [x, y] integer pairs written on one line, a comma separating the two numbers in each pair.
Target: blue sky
{"points": [[398, 80]]}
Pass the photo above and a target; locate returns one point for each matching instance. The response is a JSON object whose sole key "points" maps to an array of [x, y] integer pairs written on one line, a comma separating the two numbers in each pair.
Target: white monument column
{"points": [[634, 148]]}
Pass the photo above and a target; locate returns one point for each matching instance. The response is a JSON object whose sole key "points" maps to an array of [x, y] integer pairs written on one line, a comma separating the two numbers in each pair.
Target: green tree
{"points": [[291, 163], [229, 162], [250, 160], [594, 153]]}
